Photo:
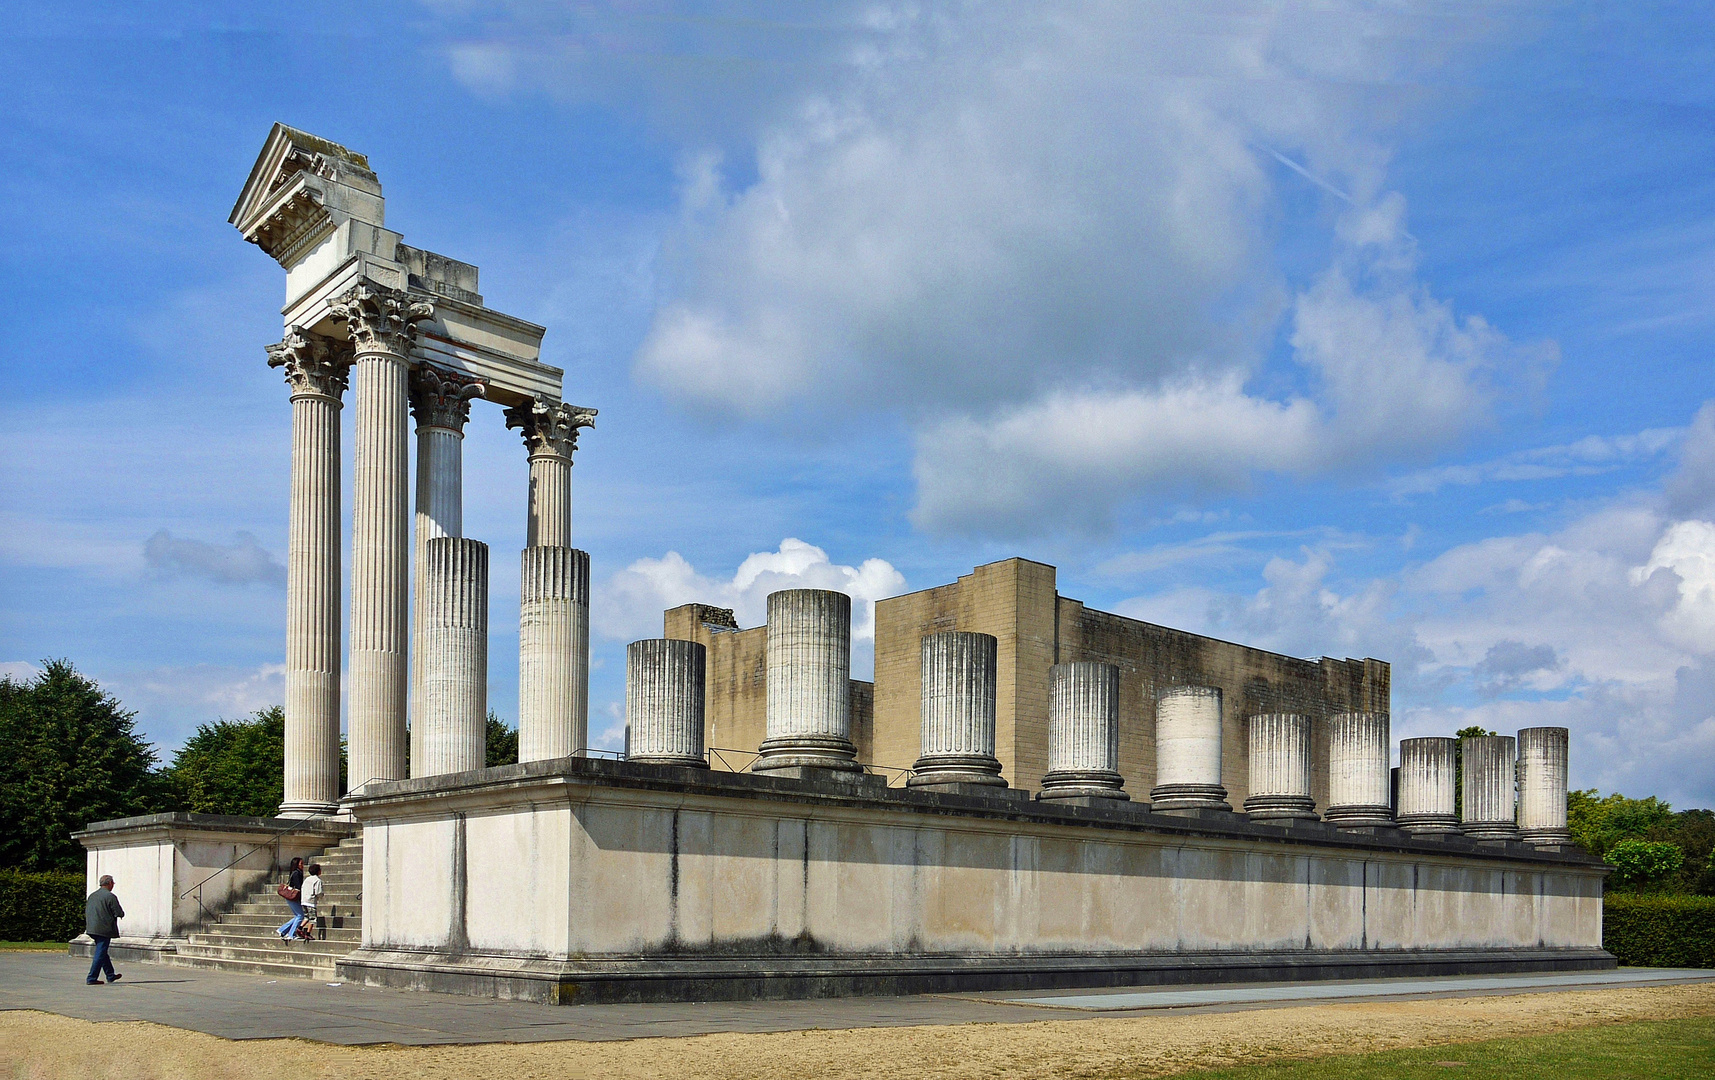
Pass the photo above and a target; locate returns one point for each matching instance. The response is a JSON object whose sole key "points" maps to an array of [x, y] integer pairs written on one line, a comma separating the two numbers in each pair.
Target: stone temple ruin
{"points": [[1030, 794]]}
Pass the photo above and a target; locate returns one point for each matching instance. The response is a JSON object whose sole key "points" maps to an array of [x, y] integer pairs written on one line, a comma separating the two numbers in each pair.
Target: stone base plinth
{"points": [[1280, 807], [1359, 817], [1189, 797]]}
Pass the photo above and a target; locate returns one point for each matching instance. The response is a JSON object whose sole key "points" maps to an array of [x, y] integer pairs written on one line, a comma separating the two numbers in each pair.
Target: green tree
{"points": [[1645, 865], [502, 742], [231, 767], [69, 755], [1597, 824]]}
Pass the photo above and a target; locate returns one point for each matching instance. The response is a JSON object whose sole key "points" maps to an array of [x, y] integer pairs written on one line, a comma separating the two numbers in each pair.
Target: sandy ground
{"points": [[39, 1045]]}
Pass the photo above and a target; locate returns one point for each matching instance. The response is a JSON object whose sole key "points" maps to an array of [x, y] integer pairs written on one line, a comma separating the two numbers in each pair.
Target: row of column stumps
{"points": [[381, 326]]}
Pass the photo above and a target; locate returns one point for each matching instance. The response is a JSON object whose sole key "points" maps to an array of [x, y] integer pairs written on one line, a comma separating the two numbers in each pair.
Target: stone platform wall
{"points": [[580, 880]]}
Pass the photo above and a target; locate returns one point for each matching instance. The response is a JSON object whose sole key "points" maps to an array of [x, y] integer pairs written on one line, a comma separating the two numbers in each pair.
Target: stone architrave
{"points": [[440, 403], [1426, 771], [1359, 782], [1188, 750], [958, 741], [553, 652], [382, 325], [664, 702], [454, 659], [1488, 768], [315, 368], [550, 430], [1280, 768], [1083, 733], [809, 658], [1542, 762]]}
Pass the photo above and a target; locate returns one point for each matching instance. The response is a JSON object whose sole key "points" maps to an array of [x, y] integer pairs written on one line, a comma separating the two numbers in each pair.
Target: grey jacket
{"points": [[101, 914]]}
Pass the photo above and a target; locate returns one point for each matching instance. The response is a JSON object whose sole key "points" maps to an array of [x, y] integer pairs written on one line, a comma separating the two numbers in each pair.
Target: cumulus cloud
{"points": [[20, 671], [630, 604], [239, 563]]}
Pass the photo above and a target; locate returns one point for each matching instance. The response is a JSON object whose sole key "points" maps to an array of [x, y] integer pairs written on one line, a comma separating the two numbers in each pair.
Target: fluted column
{"points": [[1426, 771], [1279, 767], [1487, 769], [1083, 733], [1359, 783], [382, 326], [664, 702], [1542, 761], [1188, 750], [550, 430], [809, 682], [440, 402], [958, 701], [454, 660], [315, 369], [553, 652]]}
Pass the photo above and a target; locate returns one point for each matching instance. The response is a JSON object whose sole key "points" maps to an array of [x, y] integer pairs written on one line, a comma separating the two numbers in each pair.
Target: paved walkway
{"points": [[256, 1007]]}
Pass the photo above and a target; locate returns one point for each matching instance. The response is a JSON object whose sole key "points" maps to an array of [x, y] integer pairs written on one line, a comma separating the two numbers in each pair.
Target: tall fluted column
{"points": [[1280, 767], [440, 402], [1488, 766], [809, 721], [550, 430], [1542, 760], [1426, 771], [664, 702], [1188, 750], [454, 660], [958, 741], [1359, 794], [1083, 733], [382, 325], [553, 652], [315, 369]]}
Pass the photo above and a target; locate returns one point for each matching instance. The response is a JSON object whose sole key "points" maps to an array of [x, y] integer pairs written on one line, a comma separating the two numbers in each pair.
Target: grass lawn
{"points": [[1656, 1050], [32, 946]]}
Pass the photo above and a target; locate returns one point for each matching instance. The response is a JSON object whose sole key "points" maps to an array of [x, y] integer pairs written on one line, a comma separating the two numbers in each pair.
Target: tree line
{"points": [[70, 754]]}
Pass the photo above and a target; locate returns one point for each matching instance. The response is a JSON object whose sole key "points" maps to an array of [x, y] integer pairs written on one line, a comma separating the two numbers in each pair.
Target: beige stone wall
{"points": [[736, 691]]}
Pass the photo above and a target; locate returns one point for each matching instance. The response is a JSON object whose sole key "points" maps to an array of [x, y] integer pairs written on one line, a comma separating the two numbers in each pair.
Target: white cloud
{"points": [[242, 562], [1589, 456], [629, 605], [18, 670]]}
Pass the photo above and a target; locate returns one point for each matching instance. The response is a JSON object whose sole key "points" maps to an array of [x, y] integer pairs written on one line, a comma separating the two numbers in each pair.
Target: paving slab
{"points": [[239, 1006]]}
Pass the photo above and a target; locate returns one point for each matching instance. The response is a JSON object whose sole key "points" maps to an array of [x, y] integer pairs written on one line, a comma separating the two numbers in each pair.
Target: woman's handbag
{"points": [[287, 892]]}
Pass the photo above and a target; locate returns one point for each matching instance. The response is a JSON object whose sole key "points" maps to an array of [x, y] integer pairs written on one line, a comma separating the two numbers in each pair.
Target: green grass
{"points": [[32, 946], [1651, 1050]]}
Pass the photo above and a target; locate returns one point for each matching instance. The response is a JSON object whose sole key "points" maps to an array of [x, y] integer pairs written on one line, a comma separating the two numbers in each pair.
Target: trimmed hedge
{"points": [[1660, 931], [40, 905]]}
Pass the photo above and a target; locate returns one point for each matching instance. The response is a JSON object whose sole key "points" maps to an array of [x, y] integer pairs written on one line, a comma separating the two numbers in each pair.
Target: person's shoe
{"points": [[92, 982], [113, 978]]}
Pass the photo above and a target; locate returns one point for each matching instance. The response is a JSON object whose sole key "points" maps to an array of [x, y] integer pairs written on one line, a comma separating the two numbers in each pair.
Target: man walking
{"points": [[101, 915]]}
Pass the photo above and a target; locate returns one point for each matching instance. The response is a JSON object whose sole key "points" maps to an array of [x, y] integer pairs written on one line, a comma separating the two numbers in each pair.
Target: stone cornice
{"points": [[381, 320], [315, 366], [442, 398], [550, 428]]}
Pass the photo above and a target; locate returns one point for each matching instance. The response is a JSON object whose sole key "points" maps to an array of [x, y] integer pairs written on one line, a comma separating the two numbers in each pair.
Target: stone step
{"points": [[269, 942], [192, 956], [262, 905], [268, 922]]}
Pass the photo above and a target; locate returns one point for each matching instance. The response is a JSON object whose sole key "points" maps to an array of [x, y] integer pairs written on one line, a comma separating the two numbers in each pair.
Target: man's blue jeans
{"points": [[102, 961]]}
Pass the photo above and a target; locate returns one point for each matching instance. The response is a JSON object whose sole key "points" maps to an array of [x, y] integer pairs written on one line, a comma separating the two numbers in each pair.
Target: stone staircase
{"points": [[243, 939]]}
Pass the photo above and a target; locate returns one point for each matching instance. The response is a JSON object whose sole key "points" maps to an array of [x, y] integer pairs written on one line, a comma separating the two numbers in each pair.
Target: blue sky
{"points": [[1348, 329]]}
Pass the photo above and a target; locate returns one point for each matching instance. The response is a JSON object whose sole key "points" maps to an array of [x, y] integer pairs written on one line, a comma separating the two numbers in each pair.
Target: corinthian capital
{"points": [[314, 365], [550, 428], [381, 320], [442, 398]]}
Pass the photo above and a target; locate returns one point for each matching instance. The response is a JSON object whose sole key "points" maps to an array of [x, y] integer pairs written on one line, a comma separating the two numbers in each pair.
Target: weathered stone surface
{"points": [[664, 702], [1426, 776], [1083, 733], [1188, 750], [809, 682], [553, 652], [454, 660], [1358, 777], [1280, 767], [1487, 780], [1542, 754], [958, 711]]}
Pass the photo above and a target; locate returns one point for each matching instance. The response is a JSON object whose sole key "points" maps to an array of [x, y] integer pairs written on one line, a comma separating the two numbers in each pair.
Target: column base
{"points": [[1189, 797], [684, 761], [1082, 783], [978, 769], [1490, 830], [807, 752], [1428, 823], [1281, 807], [1359, 817], [302, 809], [1546, 837]]}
